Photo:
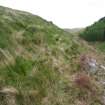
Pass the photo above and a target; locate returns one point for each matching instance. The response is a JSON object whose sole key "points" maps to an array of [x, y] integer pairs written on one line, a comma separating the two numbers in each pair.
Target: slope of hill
{"points": [[74, 30], [95, 32], [37, 62]]}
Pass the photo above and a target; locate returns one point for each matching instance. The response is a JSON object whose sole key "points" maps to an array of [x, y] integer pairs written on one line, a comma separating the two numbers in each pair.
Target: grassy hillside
{"points": [[74, 31], [95, 32], [37, 62]]}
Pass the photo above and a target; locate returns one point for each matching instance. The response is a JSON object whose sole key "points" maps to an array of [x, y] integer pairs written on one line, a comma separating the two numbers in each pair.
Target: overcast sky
{"points": [[64, 13]]}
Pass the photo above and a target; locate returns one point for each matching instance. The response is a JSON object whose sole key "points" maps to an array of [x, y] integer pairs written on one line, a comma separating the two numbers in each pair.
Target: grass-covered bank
{"points": [[38, 62]]}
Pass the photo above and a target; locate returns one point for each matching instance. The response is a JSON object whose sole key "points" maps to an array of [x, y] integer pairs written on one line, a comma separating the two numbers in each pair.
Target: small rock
{"points": [[9, 90]]}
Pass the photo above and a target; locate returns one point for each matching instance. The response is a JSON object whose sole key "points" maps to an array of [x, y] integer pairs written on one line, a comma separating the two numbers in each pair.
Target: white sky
{"points": [[64, 13]]}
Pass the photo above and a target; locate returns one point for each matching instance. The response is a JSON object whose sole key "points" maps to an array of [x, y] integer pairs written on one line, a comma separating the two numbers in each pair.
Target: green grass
{"points": [[100, 46], [43, 57]]}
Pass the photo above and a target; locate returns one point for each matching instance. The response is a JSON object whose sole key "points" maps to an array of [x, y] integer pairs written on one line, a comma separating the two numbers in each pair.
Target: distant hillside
{"points": [[95, 32], [38, 61], [74, 30]]}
